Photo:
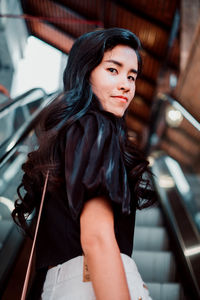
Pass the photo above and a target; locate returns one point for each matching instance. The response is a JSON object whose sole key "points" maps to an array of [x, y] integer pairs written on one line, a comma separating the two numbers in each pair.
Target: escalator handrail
{"points": [[179, 107], [10, 145], [20, 100], [14, 238], [179, 220]]}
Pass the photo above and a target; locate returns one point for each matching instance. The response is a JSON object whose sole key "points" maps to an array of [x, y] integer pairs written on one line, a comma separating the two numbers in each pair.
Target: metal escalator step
{"points": [[166, 291], [149, 217], [151, 239], [155, 266]]}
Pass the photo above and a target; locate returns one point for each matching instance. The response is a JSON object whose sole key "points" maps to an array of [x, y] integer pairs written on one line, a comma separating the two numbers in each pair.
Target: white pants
{"points": [[65, 282]]}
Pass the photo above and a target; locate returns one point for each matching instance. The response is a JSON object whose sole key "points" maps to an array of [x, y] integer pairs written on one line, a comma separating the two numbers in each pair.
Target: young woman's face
{"points": [[113, 80]]}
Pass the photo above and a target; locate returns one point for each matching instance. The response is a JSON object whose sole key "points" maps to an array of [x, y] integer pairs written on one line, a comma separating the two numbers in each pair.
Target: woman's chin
{"points": [[118, 112]]}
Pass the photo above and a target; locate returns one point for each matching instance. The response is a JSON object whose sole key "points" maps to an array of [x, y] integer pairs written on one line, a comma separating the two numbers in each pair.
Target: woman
{"points": [[96, 176]]}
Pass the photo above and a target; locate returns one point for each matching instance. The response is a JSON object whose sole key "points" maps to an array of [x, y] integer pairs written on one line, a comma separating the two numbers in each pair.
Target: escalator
{"points": [[167, 238], [154, 256], [159, 244], [21, 117]]}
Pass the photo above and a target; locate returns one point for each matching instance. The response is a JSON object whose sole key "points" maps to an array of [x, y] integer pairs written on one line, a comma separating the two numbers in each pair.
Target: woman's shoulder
{"points": [[94, 128], [93, 122], [98, 118]]}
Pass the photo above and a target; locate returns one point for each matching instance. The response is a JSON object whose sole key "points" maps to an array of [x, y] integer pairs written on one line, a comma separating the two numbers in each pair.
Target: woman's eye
{"points": [[112, 70], [131, 78]]}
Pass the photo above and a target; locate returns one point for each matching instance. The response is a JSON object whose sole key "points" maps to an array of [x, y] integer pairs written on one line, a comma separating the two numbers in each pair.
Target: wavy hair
{"points": [[86, 54]]}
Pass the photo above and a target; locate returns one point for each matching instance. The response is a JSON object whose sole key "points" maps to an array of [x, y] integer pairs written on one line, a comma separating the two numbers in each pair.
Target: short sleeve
{"points": [[94, 164]]}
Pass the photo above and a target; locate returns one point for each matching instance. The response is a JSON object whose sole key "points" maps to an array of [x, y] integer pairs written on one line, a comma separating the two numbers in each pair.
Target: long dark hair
{"points": [[86, 53]]}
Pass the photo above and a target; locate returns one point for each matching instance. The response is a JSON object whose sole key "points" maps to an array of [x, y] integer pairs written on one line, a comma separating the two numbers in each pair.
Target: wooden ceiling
{"points": [[60, 22]]}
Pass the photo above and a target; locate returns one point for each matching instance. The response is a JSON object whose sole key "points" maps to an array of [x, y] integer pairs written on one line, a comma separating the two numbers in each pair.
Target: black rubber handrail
{"points": [[15, 239], [21, 100], [10, 145], [179, 107], [183, 231]]}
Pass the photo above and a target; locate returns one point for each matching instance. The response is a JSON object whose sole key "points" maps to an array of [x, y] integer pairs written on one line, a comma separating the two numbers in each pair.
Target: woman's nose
{"points": [[124, 84]]}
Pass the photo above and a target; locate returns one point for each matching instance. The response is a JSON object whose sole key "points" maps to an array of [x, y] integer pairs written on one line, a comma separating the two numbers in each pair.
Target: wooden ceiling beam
{"points": [[153, 39], [86, 8], [44, 31], [74, 30], [97, 7], [84, 16], [142, 14], [63, 19]]}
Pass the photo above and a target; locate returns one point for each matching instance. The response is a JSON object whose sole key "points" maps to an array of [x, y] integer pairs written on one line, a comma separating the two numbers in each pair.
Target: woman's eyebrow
{"points": [[120, 65]]}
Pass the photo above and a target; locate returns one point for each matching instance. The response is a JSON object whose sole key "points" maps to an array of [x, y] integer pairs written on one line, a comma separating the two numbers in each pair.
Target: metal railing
{"points": [[11, 157], [20, 100], [184, 234], [183, 111], [7, 147]]}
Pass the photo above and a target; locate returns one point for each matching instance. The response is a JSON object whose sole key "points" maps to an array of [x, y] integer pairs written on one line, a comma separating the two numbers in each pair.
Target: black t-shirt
{"points": [[93, 165]]}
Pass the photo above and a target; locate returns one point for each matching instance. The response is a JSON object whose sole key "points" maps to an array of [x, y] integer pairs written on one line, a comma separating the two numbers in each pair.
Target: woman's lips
{"points": [[122, 98]]}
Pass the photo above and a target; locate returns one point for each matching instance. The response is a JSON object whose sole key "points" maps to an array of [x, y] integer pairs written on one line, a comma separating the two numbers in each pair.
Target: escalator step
{"points": [[151, 239], [149, 217], [155, 266], [166, 291]]}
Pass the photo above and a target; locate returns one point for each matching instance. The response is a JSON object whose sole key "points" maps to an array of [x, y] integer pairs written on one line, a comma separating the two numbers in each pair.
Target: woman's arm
{"points": [[102, 252]]}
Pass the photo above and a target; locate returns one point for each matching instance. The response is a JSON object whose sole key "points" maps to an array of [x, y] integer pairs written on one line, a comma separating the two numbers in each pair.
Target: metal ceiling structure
{"points": [[60, 22]]}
